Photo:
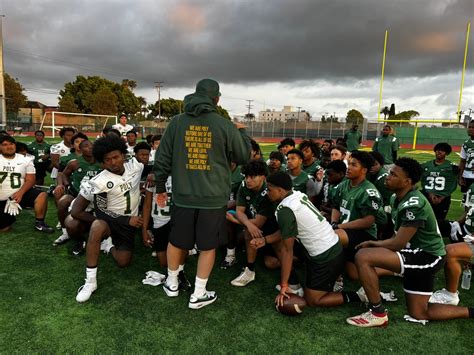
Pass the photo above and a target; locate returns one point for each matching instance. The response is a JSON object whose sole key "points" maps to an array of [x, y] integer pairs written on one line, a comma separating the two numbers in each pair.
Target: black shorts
{"points": [[28, 201], [356, 236], [161, 236], [270, 226], [123, 237], [41, 168], [204, 227], [418, 269], [321, 276]]}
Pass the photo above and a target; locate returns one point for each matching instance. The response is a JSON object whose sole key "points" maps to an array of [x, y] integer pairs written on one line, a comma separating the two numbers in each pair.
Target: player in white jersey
{"points": [[115, 193], [61, 149], [299, 219], [122, 126], [17, 178]]}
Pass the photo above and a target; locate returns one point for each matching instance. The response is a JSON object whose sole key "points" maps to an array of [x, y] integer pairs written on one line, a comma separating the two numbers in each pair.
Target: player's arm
{"points": [[398, 242], [335, 215], [55, 160], [375, 146], [146, 213], [239, 145], [286, 250], [253, 226], [462, 166], [30, 181], [78, 210], [362, 223]]}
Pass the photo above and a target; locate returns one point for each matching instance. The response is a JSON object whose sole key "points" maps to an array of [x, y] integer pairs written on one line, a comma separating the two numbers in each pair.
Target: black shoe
{"points": [[78, 248], [183, 282], [43, 227]]}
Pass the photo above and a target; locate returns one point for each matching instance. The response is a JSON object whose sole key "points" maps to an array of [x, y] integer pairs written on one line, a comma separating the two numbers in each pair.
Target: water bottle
{"points": [[466, 279]]}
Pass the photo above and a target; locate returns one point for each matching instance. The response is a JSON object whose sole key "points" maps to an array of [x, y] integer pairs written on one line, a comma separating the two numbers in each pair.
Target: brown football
{"points": [[292, 306]]}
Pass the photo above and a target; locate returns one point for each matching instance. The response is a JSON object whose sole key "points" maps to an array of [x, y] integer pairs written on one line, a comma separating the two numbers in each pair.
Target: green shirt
{"points": [[85, 170], [255, 202], [357, 202], [467, 153], [386, 145], [38, 150], [66, 159], [352, 139], [312, 169], [236, 179], [440, 179], [300, 181], [415, 210], [379, 181]]}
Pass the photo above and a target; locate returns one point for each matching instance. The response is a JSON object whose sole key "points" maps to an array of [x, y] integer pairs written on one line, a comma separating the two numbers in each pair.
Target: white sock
{"points": [[200, 287], [231, 252], [180, 268], [91, 275], [172, 279], [65, 231], [451, 293]]}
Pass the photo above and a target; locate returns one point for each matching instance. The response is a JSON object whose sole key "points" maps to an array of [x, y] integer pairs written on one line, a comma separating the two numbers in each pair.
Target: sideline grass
{"points": [[38, 311]]}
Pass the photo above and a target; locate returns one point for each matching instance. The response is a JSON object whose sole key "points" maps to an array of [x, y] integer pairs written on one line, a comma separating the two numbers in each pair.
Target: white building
{"points": [[284, 115]]}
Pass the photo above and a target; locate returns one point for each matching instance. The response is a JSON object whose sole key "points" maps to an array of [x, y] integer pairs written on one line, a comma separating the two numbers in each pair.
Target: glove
{"points": [[455, 230], [469, 239], [413, 320], [12, 208], [154, 278]]}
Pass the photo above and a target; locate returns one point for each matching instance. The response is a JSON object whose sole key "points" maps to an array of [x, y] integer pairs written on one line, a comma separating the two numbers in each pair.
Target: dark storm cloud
{"points": [[234, 41]]}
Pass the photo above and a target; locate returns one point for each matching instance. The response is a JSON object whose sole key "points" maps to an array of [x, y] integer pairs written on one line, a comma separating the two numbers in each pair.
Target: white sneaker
{"points": [[296, 289], [386, 296], [171, 290], [63, 238], [244, 278], [106, 245], [199, 302], [85, 291], [445, 297]]}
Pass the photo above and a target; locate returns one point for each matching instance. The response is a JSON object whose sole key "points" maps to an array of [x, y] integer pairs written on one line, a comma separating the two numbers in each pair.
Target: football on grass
{"points": [[292, 306]]}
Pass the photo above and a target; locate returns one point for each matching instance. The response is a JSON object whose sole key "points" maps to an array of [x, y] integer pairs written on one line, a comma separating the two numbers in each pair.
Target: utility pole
{"points": [[3, 122], [249, 106], [299, 110], [158, 86]]}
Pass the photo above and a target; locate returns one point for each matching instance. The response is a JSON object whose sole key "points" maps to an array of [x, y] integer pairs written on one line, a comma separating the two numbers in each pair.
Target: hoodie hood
{"points": [[197, 104]]}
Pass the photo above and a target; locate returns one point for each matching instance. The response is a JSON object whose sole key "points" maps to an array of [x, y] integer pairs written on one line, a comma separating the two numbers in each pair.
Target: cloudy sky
{"points": [[324, 56]]}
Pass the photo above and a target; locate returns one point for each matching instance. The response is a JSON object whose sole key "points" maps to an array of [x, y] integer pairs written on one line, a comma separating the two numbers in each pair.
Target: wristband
{"points": [[334, 225], [265, 240]]}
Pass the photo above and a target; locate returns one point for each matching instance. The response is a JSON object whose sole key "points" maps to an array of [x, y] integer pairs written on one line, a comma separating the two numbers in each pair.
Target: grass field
{"points": [[39, 314]]}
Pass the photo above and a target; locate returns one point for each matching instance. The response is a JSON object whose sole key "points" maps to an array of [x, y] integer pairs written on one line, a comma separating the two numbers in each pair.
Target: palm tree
{"points": [[385, 111]]}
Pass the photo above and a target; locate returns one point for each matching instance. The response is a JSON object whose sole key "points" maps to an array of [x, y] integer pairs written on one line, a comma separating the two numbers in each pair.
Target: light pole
{"points": [[3, 123], [158, 86]]}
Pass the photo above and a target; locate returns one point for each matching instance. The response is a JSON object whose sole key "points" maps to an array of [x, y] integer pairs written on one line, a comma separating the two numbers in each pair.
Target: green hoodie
{"points": [[196, 150]]}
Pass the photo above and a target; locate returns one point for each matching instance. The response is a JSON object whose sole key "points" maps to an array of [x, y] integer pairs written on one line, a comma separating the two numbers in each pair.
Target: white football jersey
{"points": [[115, 195], [62, 150], [161, 216], [123, 129], [12, 174], [152, 157], [130, 151]]}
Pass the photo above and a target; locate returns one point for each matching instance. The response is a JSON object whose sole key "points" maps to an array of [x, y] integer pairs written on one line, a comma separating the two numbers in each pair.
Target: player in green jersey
{"points": [[416, 226], [255, 212], [301, 180], [276, 162], [40, 149], [334, 174], [466, 165], [353, 138], [311, 152], [439, 180], [387, 145]]}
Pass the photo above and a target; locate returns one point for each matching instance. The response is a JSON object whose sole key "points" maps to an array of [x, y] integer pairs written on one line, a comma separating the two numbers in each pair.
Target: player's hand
{"points": [[147, 239], [257, 243], [231, 218], [58, 191], [162, 199], [319, 175], [280, 298], [136, 221], [17, 196], [366, 244], [150, 180], [254, 231]]}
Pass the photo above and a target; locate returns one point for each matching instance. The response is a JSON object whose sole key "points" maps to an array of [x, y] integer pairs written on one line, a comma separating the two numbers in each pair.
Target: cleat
{"points": [[79, 249], [63, 238], [295, 289], [171, 290], [106, 245], [199, 302], [228, 262], [85, 291], [183, 282], [369, 320], [445, 297], [245, 277], [43, 227]]}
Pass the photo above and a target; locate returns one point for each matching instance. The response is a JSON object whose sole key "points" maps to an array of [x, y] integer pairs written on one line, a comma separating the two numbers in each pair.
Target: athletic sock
{"points": [[180, 268], [377, 308], [39, 220], [293, 279], [172, 279], [64, 231], [230, 252], [91, 274], [251, 266], [471, 312], [350, 296], [200, 287]]}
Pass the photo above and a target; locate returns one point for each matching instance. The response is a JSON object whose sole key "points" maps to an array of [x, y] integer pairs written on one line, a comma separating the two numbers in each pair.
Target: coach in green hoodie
{"points": [[196, 150]]}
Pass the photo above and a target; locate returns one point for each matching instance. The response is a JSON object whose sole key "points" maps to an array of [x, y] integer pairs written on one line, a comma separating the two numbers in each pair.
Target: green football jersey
{"points": [[66, 159], [469, 197], [38, 150], [352, 139], [312, 169], [379, 181], [414, 209], [85, 170], [255, 202], [386, 145], [440, 179], [300, 181], [469, 223], [467, 153], [356, 202]]}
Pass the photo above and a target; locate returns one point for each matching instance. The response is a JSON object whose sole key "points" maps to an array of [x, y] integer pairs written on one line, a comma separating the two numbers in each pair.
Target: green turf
{"points": [[38, 311]]}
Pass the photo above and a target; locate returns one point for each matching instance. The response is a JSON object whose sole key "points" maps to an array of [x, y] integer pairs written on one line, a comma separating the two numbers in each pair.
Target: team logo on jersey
{"points": [[375, 205], [410, 215], [247, 198], [79, 170], [110, 184]]}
